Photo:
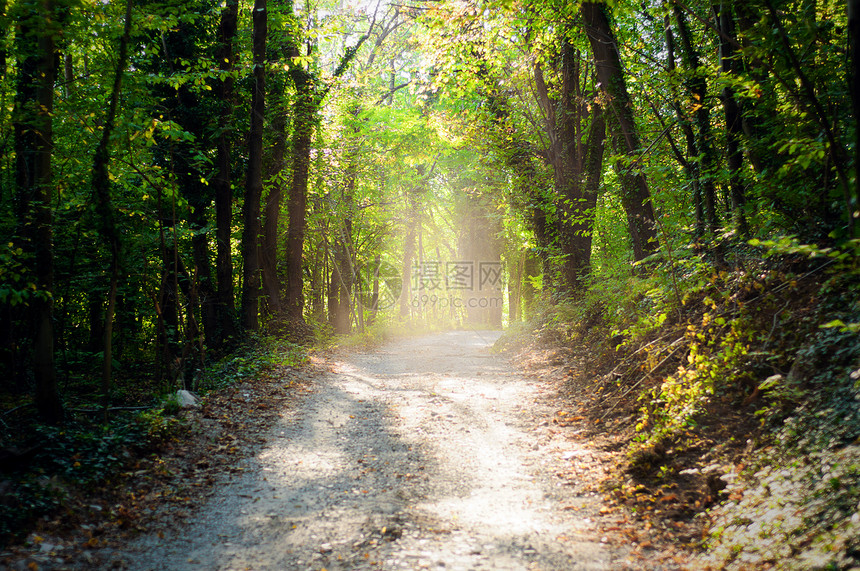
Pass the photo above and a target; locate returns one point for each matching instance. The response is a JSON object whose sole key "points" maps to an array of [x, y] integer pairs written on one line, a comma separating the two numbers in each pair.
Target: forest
{"points": [[190, 190]]}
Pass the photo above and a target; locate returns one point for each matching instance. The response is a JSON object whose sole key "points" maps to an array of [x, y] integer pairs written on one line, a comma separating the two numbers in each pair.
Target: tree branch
{"points": [[392, 91]]}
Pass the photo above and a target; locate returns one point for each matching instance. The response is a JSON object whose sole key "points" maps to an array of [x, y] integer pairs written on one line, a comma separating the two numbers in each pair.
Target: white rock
{"points": [[186, 399]]}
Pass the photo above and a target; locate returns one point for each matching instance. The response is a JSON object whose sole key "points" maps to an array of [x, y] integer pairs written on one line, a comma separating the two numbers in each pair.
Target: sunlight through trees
{"points": [[214, 171]]}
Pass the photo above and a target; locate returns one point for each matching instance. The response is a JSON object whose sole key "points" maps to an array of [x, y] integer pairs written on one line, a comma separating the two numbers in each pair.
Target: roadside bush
{"points": [[795, 503], [70, 460], [257, 355]]}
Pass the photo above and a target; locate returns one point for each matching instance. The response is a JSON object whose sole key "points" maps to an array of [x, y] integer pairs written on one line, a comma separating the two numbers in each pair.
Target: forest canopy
{"points": [[178, 177]]}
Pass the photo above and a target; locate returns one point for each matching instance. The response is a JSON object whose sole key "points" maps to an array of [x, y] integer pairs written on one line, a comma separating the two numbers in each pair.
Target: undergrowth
{"points": [[748, 366], [43, 469], [257, 355], [59, 463]]}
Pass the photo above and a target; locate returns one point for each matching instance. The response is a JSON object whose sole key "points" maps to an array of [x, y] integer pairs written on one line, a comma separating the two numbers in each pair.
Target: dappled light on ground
{"points": [[419, 455]]}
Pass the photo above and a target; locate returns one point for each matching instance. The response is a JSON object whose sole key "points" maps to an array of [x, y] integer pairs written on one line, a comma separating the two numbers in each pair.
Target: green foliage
{"points": [[16, 285], [161, 425], [257, 355], [802, 489], [70, 460], [717, 359]]}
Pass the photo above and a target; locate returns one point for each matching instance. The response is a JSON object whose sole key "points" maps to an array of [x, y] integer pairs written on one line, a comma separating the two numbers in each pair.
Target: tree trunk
{"points": [[804, 92], [106, 211], [206, 291], [225, 308], [332, 287], [531, 269], [95, 311], [537, 197], [734, 127], [33, 131], [254, 184], [305, 110], [699, 90], [68, 75], [272, 214], [168, 298], [271, 219], [344, 260], [563, 117], [318, 277], [3, 53], [758, 112], [515, 289], [309, 97], [853, 47], [374, 295], [409, 246], [342, 280], [691, 166], [303, 124], [635, 196], [593, 167], [340, 296]]}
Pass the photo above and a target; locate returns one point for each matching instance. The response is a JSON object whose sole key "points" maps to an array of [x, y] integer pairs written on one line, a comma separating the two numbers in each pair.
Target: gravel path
{"points": [[427, 453]]}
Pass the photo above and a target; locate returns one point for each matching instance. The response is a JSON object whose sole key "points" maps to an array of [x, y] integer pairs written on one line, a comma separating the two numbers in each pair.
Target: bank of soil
{"points": [[431, 452]]}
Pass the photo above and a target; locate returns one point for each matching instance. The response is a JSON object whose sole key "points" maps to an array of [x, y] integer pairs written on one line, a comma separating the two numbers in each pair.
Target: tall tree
{"points": [[254, 183], [698, 87], [304, 118], [635, 195], [38, 26], [854, 52], [732, 111], [343, 274], [105, 208], [565, 117], [310, 94], [280, 48], [272, 211], [689, 163], [225, 308]]}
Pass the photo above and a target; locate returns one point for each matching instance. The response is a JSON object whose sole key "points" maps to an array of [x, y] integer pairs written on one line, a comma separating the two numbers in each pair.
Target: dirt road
{"points": [[428, 453]]}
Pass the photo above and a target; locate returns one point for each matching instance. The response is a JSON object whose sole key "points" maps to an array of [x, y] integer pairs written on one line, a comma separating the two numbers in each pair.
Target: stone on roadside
{"points": [[186, 399]]}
